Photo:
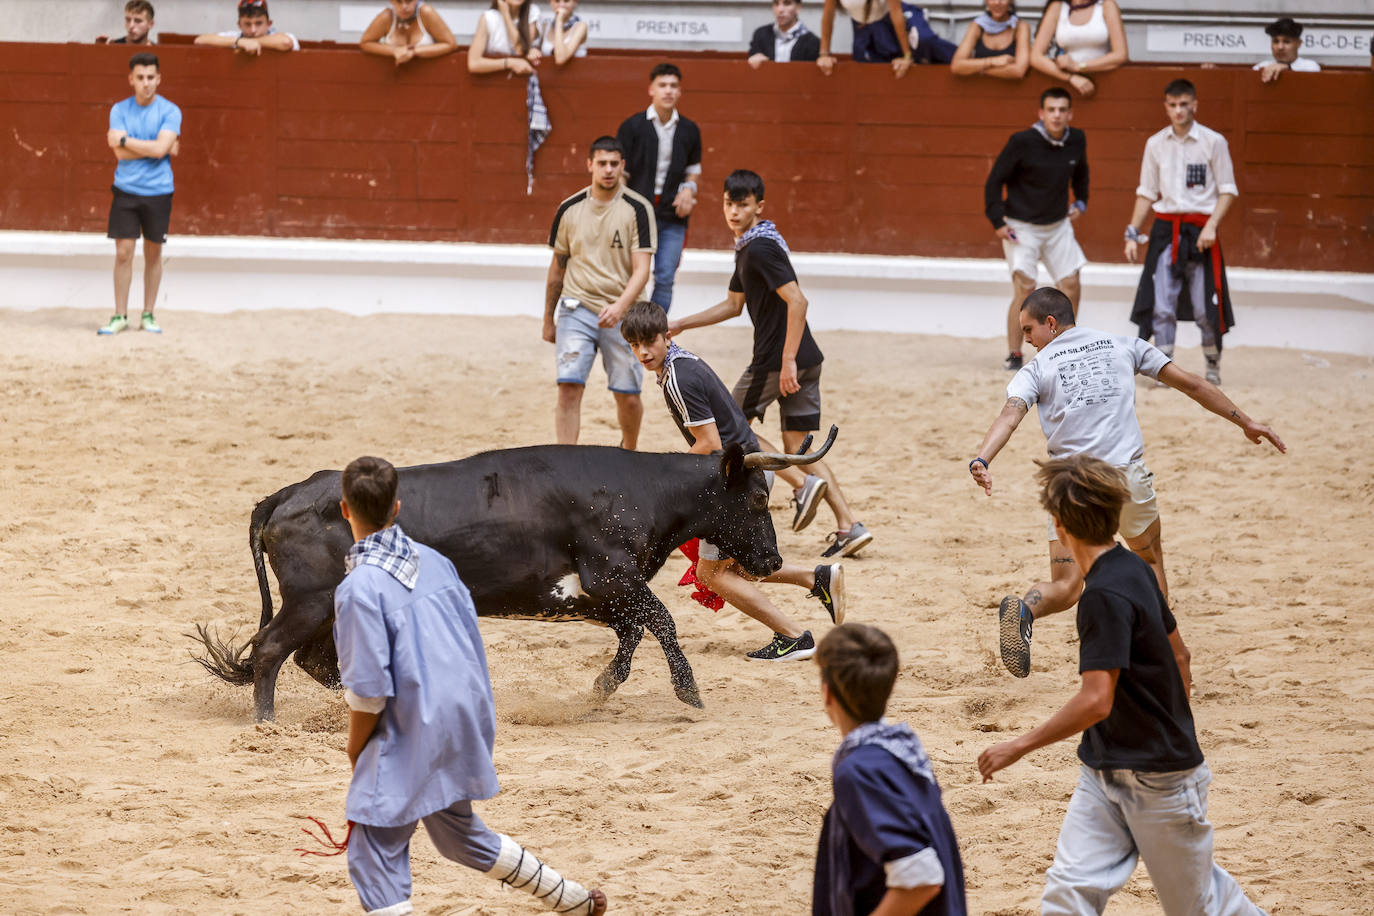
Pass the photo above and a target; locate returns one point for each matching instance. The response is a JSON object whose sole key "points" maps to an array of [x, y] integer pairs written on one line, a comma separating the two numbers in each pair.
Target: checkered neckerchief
{"points": [[391, 550]]}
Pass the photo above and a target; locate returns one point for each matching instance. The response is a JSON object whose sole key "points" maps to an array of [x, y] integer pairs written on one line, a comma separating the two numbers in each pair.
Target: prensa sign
{"points": [[1251, 42]]}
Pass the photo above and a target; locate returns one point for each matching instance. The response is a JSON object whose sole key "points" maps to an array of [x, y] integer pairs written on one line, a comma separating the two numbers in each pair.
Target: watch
{"points": [[123, 139]]}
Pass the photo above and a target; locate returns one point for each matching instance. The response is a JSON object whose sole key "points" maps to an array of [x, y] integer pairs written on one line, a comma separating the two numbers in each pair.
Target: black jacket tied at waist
{"points": [[1180, 231]]}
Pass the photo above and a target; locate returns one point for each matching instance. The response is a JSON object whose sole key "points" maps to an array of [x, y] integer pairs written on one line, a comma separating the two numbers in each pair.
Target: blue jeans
{"points": [[1116, 817], [672, 238]]}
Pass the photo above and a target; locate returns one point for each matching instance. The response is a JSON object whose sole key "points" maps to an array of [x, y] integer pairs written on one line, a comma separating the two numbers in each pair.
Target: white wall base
{"points": [[961, 297]]}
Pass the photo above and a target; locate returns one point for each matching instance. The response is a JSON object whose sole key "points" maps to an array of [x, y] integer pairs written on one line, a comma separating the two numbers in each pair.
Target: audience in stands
{"points": [[1285, 41], [1089, 38], [506, 39], [787, 39], [138, 25], [254, 34], [565, 34], [408, 29], [663, 164], [997, 44], [885, 31]]}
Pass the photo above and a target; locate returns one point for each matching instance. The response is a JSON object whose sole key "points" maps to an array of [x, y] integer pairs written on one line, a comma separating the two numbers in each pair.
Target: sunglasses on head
{"points": [[252, 6]]}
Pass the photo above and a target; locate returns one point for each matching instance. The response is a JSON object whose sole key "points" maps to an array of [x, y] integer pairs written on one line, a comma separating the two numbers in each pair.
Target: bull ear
{"points": [[732, 465]]}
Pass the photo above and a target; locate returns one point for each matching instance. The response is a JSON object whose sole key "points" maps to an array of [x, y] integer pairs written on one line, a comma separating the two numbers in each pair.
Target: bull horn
{"points": [[773, 461]]}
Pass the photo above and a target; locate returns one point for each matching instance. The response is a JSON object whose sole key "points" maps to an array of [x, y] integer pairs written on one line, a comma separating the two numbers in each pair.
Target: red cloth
{"points": [[702, 595], [1200, 219], [327, 841]]}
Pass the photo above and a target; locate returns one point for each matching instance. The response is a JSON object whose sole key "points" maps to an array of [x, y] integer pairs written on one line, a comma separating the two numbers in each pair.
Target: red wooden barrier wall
{"points": [[331, 143]]}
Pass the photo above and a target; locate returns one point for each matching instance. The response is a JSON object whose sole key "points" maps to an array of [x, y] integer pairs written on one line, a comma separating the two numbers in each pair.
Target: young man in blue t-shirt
{"points": [[144, 133], [887, 844], [1142, 788]]}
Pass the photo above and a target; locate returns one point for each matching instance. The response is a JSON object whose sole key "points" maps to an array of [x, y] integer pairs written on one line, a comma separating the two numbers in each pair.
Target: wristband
{"points": [[978, 461], [1135, 235], [236, 41]]}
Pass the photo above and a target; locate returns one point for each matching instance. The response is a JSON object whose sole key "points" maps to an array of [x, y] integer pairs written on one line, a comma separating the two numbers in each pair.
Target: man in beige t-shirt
{"points": [[603, 240]]}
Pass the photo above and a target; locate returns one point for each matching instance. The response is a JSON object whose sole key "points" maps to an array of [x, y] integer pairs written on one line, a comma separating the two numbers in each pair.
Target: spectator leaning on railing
{"points": [[138, 25], [996, 44], [506, 38], [1285, 41], [885, 31], [254, 34], [787, 39], [408, 29], [564, 34], [1090, 39]]}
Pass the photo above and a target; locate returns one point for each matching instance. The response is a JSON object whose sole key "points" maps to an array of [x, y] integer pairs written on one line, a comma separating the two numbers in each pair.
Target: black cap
{"points": [[1286, 27]]}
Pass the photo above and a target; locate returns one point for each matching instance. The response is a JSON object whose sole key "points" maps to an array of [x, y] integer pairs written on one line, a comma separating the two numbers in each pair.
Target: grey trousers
{"points": [[1119, 816], [1167, 290], [379, 857]]}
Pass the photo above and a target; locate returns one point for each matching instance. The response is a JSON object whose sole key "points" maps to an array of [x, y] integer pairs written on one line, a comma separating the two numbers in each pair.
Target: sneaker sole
{"points": [[857, 544], [808, 509], [837, 592], [1015, 651], [798, 655]]}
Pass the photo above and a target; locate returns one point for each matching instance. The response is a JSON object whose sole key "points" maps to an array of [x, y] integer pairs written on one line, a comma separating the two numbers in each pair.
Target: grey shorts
{"points": [[801, 412]]}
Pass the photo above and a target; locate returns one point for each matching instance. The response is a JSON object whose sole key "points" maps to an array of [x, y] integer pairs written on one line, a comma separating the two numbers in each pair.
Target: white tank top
{"points": [[498, 39], [1086, 42], [391, 38]]}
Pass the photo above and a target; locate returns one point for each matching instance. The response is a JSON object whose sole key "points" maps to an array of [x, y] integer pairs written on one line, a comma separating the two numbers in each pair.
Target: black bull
{"points": [[547, 532]]}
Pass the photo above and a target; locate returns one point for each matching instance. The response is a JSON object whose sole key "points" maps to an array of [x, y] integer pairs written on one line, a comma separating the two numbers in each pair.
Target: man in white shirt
{"points": [[787, 39], [1083, 384], [1186, 177], [1285, 41], [255, 33]]}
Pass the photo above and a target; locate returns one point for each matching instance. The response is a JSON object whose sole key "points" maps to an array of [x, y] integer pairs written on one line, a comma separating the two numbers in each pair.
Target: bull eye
{"points": [[759, 500]]}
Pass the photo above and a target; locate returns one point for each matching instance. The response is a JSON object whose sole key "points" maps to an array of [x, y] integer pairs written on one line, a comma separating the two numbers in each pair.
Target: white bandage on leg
{"points": [[520, 868], [396, 909]]}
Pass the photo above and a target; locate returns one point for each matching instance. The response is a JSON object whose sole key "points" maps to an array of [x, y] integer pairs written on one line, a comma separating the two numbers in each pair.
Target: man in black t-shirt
{"points": [[786, 365], [709, 420], [1142, 789]]}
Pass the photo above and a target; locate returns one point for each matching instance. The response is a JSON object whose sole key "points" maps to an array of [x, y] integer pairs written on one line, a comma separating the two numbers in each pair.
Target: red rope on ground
{"points": [[327, 841]]}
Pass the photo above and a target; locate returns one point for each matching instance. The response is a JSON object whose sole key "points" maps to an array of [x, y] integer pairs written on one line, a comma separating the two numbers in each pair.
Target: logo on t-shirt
{"points": [[615, 240]]}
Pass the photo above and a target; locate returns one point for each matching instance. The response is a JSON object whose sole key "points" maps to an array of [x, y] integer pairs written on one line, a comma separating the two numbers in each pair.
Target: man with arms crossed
{"points": [[603, 239], [1035, 222], [1142, 788], [1187, 178], [144, 132], [1083, 382], [710, 421]]}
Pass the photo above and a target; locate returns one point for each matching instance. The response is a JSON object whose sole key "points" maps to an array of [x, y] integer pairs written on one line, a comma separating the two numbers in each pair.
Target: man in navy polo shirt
{"points": [[144, 132]]}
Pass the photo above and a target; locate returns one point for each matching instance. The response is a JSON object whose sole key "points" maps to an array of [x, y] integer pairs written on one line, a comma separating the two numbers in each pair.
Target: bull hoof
{"points": [[690, 695], [605, 685]]}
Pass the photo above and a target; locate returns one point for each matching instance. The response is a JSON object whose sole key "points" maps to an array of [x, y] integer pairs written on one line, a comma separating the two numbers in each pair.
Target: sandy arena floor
{"points": [[130, 781]]}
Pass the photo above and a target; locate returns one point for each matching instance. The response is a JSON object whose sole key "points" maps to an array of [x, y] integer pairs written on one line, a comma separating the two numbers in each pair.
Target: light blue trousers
{"points": [[1118, 816], [379, 857]]}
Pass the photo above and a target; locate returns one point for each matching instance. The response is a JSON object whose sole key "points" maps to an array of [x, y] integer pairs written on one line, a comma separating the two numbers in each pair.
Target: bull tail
{"points": [[222, 659], [261, 513]]}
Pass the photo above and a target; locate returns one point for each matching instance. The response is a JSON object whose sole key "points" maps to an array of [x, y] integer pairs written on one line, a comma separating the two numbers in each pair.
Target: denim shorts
{"points": [[577, 339]]}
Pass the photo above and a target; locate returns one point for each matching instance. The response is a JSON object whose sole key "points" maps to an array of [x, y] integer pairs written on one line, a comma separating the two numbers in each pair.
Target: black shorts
{"points": [[131, 214], [801, 412]]}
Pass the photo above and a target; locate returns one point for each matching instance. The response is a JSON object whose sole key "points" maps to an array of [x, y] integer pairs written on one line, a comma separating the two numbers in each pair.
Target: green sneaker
{"points": [[117, 323], [149, 323]]}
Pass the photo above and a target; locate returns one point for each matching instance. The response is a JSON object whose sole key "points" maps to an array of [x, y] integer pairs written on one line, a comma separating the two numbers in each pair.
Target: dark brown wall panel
{"points": [[334, 144]]}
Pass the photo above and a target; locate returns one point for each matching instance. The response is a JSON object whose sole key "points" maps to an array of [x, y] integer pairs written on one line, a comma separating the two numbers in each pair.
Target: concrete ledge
{"points": [[962, 297]]}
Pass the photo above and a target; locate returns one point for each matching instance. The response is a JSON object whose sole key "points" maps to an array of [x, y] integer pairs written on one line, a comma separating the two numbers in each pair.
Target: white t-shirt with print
{"points": [[1084, 385]]}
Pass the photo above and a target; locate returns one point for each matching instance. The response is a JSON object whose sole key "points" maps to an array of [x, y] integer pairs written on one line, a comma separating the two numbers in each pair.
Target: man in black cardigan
{"points": [[663, 164], [787, 39]]}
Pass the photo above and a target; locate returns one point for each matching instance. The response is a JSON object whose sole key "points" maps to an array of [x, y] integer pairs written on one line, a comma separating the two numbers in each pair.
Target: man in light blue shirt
{"points": [[422, 720], [144, 135]]}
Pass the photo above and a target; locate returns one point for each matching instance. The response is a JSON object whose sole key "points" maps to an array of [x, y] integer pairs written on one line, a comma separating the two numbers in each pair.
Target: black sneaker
{"points": [[830, 589], [1012, 362], [848, 543], [1014, 621], [807, 500], [784, 649]]}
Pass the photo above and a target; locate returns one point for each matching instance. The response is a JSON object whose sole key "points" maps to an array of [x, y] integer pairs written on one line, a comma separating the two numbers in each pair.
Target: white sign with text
{"points": [[650, 28], [1251, 42]]}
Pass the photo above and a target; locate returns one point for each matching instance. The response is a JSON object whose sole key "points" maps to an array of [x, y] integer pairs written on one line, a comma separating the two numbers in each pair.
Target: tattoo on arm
{"points": [[1235, 413], [1062, 560], [1017, 403], [1033, 597], [562, 260]]}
